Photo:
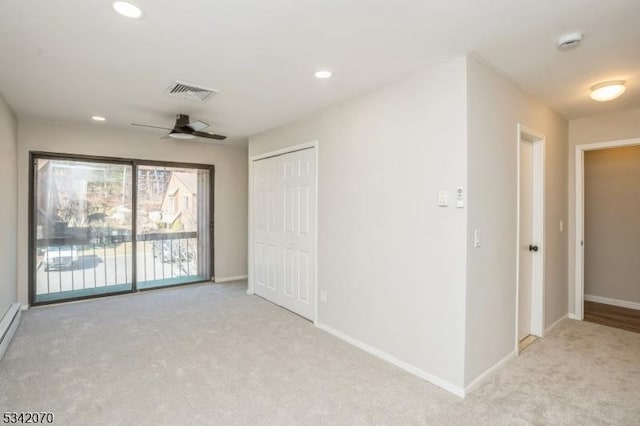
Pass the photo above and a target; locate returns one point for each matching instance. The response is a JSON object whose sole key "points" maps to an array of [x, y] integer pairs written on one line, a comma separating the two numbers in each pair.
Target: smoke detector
{"points": [[570, 41], [180, 89]]}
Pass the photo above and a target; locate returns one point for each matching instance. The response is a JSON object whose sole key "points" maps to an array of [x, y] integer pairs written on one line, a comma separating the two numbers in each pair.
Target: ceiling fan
{"points": [[183, 129]]}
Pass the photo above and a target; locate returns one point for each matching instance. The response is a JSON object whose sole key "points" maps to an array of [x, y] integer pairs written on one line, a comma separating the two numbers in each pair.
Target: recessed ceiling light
{"points": [[128, 10], [98, 118], [322, 74], [608, 90]]}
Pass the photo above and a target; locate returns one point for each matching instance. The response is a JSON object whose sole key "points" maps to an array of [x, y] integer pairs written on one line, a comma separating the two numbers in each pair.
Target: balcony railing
{"points": [[105, 264]]}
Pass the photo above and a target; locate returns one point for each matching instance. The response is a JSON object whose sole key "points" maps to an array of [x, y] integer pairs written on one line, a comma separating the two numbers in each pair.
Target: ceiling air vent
{"points": [[192, 92]]}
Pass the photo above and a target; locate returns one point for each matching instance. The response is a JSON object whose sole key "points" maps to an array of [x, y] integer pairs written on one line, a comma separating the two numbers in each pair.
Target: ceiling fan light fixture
{"points": [[127, 9], [608, 90], [181, 135]]}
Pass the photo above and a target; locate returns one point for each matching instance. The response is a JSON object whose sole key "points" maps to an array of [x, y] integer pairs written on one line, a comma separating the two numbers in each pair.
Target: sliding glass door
{"points": [[106, 226], [172, 225]]}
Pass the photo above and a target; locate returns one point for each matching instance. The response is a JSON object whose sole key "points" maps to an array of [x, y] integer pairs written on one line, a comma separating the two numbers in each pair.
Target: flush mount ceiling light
{"points": [[98, 118], [128, 10], [323, 74], [607, 90]]}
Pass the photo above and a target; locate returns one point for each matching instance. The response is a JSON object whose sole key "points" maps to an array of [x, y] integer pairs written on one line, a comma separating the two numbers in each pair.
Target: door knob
{"points": [[533, 248]]}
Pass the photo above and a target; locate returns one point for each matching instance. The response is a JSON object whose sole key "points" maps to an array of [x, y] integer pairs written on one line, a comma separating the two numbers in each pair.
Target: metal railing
{"points": [[177, 250], [76, 264]]}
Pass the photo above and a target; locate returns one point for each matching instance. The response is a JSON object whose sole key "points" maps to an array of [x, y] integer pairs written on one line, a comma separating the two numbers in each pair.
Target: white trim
{"points": [[456, 390], [610, 301], [573, 317], [24, 307], [286, 150], [555, 323], [489, 372], [579, 218], [8, 326], [250, 279], [538, 280], [579, 235], [227, 279]]}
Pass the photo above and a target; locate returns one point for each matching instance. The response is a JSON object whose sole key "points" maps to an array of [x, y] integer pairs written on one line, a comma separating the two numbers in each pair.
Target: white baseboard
{"points": [[8, 326], [614, 302], [556, 322], [227, 279], [488, 373], [24, 307], [574, 317], [395, 361]]}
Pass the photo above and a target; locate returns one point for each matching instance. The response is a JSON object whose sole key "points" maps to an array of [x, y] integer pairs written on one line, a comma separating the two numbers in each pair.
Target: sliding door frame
{"points": [[134, 163]]}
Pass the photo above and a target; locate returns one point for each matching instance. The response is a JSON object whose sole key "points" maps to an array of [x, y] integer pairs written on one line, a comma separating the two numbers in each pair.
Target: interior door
{"points": [[268, 228], [284, 230], [525, 276]]}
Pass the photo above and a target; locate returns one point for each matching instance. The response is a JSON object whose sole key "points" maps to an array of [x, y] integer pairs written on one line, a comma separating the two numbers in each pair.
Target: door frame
{"points": [[276, 153], [134, 163], [539, 141], [579, 212]]}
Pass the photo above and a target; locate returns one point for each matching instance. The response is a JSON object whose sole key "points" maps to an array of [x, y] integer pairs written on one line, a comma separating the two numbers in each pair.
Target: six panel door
{"points": [[284, 208]]}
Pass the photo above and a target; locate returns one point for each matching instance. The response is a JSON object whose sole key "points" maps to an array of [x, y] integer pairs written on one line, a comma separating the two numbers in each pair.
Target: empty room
{"points": [[342, 212]]}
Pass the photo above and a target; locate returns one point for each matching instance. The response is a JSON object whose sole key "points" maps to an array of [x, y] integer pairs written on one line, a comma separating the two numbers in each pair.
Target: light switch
{"points": [[443, 199], [561, 226], [476, 238]]}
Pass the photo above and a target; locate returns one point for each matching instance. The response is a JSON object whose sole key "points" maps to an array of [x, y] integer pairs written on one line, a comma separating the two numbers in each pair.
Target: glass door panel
{"points": [[172, 225], [83, 228]]}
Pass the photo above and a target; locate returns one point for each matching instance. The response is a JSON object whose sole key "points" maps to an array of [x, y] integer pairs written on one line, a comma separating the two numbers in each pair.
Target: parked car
{"points": [[60, 257]]}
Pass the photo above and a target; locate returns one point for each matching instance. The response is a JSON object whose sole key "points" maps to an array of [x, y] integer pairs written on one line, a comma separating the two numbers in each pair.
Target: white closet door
{"points": [[284, 230]]}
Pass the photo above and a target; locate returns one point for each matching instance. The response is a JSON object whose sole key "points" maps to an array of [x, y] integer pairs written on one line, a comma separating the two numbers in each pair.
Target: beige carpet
{"points": [[199, 355]]}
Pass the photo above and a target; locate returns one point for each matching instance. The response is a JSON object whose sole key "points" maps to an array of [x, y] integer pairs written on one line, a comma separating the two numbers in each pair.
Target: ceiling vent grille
{"points": [[192, 92]]}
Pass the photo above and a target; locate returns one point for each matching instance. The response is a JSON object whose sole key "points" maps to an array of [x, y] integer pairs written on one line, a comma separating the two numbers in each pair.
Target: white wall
{"points": [[495, 107], [604, 128], [8, 211], [391, 261], [230, 180]]}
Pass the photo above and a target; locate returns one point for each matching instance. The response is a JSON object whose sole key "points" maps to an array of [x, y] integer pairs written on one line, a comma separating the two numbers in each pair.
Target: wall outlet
{"points": [[323, 296]]}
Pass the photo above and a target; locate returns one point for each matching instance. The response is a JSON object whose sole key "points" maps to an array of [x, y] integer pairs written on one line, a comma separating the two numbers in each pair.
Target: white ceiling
{"points": [[70, 59]]}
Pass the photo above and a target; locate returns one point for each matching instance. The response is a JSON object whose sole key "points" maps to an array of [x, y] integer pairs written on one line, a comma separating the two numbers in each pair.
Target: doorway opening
{"points": [[530, 238], [102, 226], [606, 259]]}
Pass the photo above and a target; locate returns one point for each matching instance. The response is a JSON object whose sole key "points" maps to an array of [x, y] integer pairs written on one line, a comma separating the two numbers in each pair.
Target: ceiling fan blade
{"points": [[197, 126], [209, 135], [152, 127]]}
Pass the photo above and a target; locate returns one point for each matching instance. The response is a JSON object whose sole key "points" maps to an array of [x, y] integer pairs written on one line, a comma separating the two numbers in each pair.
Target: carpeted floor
{"points": [[196, 355]]}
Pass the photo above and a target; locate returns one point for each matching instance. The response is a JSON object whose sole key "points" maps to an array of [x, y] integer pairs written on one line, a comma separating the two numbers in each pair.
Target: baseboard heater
{"points": [[8, 327]]}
